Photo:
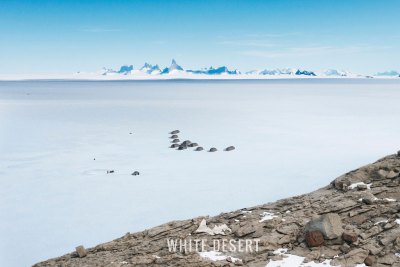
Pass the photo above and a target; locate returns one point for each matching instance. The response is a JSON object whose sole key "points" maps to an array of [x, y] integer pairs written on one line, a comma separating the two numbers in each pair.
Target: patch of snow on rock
{"points": [[267, 216], [213, 255], [297, 261], [352, 186], [383, 221], [217, 256], [389, 199]]}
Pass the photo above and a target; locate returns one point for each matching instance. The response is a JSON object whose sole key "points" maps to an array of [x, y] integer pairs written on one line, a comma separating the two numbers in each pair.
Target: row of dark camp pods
{"points": [[176, 143]]}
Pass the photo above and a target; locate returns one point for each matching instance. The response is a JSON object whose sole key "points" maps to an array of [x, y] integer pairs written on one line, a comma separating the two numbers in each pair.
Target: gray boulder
{"points": [[174, 146], [199, 148], [182, 147], [193, 145], [175, 141], [81, 251], [174, 136], [330, 225], [213, 149], [175, 132]]}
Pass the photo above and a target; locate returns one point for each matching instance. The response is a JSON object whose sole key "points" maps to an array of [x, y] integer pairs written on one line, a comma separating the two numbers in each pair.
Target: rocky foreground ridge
{"points": [[354, 220]]}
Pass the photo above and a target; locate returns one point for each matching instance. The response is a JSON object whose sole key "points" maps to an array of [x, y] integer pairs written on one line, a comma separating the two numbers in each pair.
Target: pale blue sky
{"points": [[62, 36]]}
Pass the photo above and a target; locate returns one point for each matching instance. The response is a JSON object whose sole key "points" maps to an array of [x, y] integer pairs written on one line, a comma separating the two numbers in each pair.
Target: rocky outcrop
{"points": [[329, 225], [333, 223]]}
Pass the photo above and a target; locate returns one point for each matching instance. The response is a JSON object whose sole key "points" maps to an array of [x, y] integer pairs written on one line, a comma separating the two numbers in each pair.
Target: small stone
{"points": [[382, 173], [315, 239], [174, 146], [175, 132], [174, 136], [175, 141], [199, 148], [370, 260], [345, 248], [182, 147], [362, 187], [213, 149], [350, 237], [392, 174], [81, 251], [368, 201], [230, 148], [135, 173], [110, 171]]}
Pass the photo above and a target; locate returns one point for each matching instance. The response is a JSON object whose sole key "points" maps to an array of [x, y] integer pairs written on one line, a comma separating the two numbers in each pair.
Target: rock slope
{"points": [[354, 220]]}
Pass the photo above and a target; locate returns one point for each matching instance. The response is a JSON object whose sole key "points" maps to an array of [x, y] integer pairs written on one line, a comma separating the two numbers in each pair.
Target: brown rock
{"points": [[370, 260], [315, 239], [81, 251], [350, 237]]}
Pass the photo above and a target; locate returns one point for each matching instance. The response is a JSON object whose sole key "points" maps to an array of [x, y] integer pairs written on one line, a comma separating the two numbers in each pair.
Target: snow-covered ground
{"points": [[292, 136]]}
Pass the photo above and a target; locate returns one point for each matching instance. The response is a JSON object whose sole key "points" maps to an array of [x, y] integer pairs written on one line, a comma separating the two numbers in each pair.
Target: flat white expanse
{"points": [[292, 136]]}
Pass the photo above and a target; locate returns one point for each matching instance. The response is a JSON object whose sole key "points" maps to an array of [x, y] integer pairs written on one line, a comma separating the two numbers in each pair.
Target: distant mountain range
{"points": [[148, 71]]}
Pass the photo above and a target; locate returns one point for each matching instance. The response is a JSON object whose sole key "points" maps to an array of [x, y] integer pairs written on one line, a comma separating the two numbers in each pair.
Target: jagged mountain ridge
{"points": [[177, 70]]}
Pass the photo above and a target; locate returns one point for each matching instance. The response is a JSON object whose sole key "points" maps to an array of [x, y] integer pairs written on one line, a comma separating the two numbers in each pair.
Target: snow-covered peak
{"points": [[287, 71], [146, 66], [173, 68], [305, 72], [150, 69], [391, 73], [215, 71], [126, 69], [333, 72]]}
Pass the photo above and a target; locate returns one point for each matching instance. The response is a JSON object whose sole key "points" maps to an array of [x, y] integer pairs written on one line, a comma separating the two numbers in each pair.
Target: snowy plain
{"points": [[292, 137]]}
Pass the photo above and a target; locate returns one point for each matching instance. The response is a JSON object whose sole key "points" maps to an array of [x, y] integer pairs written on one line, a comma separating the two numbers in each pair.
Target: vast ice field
{"points": [[292, 136]]}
